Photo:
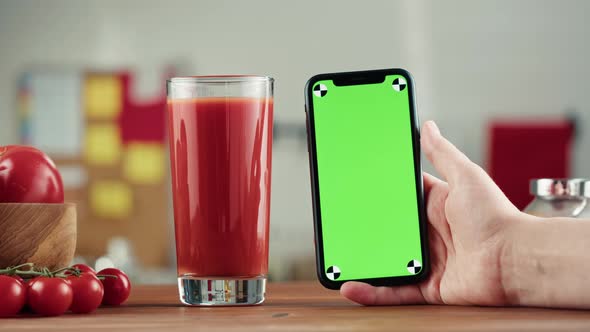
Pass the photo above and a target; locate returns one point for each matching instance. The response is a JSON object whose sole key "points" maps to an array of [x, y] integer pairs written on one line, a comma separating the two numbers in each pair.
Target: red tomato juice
{"points": [[220, 151]]}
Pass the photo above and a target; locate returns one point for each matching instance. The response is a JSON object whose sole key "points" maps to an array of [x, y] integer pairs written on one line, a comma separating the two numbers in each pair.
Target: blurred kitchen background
{"points": [[507, 82]]}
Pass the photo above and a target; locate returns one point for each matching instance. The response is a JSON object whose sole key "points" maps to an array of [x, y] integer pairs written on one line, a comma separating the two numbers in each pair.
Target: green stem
{"points": [[45, 272], [74, 270], [12, 269], [29, 273], [23, 265]]}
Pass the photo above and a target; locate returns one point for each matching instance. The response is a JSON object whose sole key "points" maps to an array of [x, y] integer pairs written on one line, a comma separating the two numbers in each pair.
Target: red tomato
{"points": [[83, 268], [12, 296], [19, 278], [27, 175], [88, 292], [116, 290], [49, 296]]}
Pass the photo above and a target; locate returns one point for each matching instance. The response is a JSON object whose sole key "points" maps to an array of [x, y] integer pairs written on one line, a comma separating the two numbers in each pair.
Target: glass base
{"points": [[203, 291]]}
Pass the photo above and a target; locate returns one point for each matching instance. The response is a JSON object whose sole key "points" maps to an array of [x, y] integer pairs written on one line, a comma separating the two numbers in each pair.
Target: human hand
{"points": [[468, 218]]}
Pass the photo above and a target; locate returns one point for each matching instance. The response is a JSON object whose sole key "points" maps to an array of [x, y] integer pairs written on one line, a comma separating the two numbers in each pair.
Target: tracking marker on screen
{"points": [[320, 90], [333, 272], [399, 84], [414, 266]]}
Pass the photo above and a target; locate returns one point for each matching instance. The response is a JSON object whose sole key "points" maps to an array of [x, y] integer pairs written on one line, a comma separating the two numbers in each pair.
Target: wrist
{"points": [[515, 260], [543, 262]]}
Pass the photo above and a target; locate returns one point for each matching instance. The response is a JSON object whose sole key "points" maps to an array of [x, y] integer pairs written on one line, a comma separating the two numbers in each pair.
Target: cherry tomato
{"points": [[83, 268], [25, 286], [12, 296], [49, 296], [88, 292], [27, 175], [19, 278], [116, 290]]}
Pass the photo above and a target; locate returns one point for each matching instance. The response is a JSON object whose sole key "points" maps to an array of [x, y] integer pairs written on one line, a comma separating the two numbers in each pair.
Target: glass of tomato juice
{"points": [[220, 133]]}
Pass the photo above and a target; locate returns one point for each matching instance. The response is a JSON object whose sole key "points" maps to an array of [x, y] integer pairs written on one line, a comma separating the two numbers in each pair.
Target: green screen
{"points": [[367, 185]]}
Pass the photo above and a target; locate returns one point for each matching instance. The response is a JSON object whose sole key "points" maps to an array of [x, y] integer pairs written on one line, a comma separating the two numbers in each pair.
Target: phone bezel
{"points": [[369, 76]]}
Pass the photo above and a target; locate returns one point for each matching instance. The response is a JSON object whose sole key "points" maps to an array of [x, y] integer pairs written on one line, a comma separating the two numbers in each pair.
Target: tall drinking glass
{"points": [[220, 131]]}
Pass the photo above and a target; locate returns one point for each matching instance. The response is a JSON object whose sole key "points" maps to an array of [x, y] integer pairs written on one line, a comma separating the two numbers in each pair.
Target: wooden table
{"points": [[299, 307]]}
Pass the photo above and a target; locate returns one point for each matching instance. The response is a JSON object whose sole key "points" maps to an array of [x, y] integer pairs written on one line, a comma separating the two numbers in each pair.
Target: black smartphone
{"points": [[367, 191]]}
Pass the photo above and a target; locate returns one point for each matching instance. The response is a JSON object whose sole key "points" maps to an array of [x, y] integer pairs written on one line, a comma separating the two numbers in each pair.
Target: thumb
{"points": [[444, 156]]}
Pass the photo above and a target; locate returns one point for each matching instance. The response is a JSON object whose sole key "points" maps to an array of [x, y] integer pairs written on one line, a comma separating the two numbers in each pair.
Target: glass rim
{"points": [[219, 79], [566, 187]]}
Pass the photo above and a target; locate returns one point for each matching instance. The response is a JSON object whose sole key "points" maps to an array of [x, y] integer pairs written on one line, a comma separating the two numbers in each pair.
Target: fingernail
{"points": [[433, 128]]}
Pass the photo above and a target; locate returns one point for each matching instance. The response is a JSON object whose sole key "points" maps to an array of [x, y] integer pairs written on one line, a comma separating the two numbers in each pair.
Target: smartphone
{"points": [[367, 191]]}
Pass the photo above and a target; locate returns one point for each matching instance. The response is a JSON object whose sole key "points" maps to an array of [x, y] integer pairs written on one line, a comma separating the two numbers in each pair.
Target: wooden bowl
{"points": [[43, 234]]}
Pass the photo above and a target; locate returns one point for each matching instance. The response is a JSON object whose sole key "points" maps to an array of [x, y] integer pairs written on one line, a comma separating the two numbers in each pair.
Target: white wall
{"points": [[471, 60], [508, 58]]}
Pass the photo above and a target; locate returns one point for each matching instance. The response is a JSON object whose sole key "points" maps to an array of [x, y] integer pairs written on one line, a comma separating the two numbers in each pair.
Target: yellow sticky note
{"points": [[111, 199], [102, 96], [144, 163], [103, 144]]}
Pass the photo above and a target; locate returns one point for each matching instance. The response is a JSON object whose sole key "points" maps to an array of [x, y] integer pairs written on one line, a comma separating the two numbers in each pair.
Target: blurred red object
{"points": [[521, 150], [142, 121]]}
